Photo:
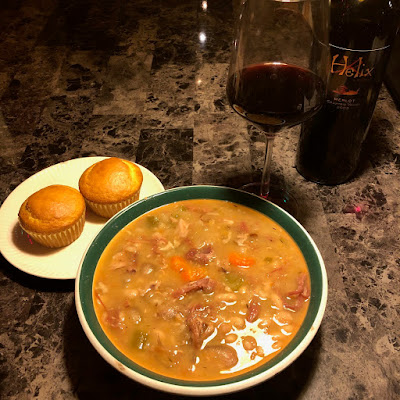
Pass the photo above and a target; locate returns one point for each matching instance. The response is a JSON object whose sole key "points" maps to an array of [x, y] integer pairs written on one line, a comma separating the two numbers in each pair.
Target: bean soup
{"points": [[201, 289]]}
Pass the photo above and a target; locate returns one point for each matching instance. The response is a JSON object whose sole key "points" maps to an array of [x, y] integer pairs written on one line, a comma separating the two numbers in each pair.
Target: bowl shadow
{"points": [[92, 377]]}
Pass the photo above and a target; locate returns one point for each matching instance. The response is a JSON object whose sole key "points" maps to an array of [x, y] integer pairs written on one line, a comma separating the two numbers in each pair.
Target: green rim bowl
{"points": [[94, 332]]}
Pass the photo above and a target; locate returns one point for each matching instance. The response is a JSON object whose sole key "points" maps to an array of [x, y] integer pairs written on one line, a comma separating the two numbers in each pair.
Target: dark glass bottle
{"points": [[361, 34]]}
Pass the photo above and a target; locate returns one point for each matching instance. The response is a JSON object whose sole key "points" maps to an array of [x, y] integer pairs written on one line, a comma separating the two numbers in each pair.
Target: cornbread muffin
{"points": [[110, 185], [53, 216]]}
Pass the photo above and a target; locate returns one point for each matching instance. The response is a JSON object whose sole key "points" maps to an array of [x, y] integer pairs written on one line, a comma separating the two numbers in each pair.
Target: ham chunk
{"points": [[125, 260], [183, 228], [199, 323], [169, 312], [201, 256], [113, 318], [301, 294], [302, 288], [158, 241], [207, 285]]}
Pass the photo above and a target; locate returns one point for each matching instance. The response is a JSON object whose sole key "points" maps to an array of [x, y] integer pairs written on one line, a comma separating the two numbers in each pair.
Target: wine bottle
{"points": [[361, 34]]}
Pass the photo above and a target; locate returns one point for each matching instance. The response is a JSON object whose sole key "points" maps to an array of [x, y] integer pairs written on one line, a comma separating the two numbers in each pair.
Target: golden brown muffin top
{"points": [[110, 181], [51, 209]]}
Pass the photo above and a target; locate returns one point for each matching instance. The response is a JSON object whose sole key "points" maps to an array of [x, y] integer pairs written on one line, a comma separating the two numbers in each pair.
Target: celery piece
{"points": [[152, 220], [234, 281], [139, 339]]}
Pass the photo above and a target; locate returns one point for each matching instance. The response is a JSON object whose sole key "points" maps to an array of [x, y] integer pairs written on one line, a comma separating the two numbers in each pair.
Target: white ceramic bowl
{"points": [[93, 330]]}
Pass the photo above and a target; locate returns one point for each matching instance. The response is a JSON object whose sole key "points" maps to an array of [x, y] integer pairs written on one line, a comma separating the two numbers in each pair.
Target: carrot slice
{"points": [[240, 260], [194, 273], [178, 263], [187, 271]]}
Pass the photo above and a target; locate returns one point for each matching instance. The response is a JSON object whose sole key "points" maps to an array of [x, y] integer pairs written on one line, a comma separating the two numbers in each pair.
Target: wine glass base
{"points": [[277, 195]]}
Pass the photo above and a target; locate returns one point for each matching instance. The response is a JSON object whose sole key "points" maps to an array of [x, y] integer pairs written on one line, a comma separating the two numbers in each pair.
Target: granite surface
{"points": [[145, 80]]}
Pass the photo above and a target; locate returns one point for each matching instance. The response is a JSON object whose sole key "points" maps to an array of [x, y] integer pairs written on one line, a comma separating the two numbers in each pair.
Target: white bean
{"points": [[131, 249], [118, 256], [277, 301], [243, 289], [102, 288], [264, 323], [288, 329], [265, 290], [276, 346], [238, 322], [284, 316], [249, 343], [260, 351], [229, 297], [224, 328], [231, 338]]}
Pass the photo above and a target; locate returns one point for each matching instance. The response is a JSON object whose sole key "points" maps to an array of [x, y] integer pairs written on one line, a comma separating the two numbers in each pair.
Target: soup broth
{"points": [[201, 289]]}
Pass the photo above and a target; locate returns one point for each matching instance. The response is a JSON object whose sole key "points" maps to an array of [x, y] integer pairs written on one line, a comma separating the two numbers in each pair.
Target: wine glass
{"points": [[278, 71]]}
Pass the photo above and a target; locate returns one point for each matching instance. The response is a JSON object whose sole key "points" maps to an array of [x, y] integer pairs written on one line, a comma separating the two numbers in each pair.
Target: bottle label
{"points": [[352, 72]]}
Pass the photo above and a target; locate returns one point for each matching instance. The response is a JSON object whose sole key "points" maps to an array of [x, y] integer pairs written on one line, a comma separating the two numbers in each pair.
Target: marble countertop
{"points": [[145, 80]]}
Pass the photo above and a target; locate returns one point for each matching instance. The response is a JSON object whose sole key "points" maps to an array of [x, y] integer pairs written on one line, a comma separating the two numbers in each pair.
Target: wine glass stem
{"points": [[266, 173]]}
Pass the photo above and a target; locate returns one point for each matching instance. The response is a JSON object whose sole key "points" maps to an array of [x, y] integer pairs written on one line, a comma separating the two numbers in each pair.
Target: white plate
{"points": [[32, 258]]}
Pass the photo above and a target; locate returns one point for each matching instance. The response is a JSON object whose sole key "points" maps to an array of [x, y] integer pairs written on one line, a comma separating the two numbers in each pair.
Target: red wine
{"points": [[275, 95], [360, 38]]}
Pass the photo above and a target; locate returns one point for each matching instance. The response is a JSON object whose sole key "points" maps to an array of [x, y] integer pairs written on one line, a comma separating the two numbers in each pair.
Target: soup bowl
{"points": [[87, 314]]}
